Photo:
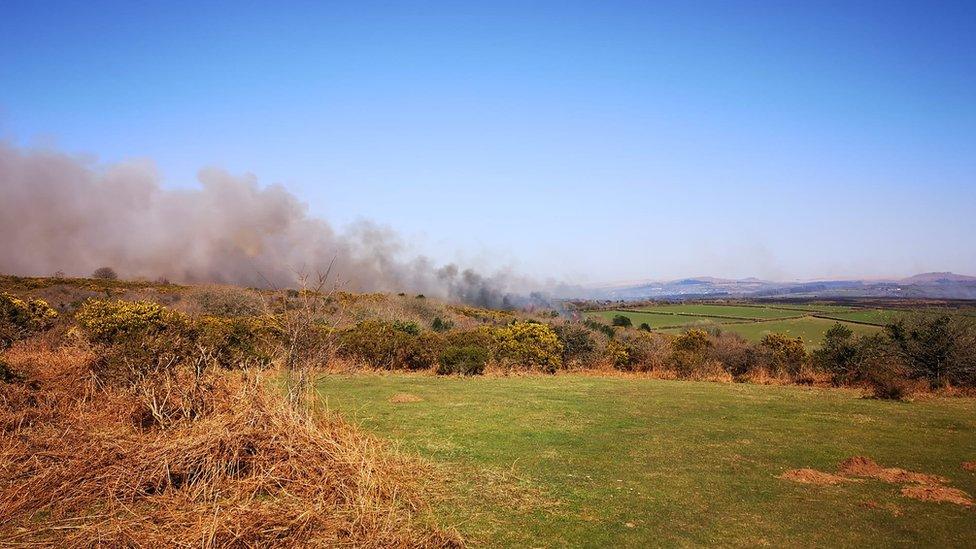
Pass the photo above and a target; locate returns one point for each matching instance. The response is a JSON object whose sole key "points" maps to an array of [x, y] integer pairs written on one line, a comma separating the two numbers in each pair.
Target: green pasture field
{"points": [[655, 320], [811, 329], [879, 317], [808, 321], [738, 311], [585, 461], [813, 307]]}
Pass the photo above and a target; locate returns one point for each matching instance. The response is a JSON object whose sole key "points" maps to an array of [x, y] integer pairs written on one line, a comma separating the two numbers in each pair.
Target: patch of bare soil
{"points": [[921, 486], [941, 494], [860, 466], [969, 466], [404, 398], [813, 476]]}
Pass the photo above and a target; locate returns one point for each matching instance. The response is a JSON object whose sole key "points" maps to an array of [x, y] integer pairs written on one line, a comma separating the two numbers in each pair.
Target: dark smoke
{"points": [[61, 213]]}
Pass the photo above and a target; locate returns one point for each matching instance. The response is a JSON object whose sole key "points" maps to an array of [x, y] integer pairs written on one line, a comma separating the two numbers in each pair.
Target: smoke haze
{"points": [[59, 212]]}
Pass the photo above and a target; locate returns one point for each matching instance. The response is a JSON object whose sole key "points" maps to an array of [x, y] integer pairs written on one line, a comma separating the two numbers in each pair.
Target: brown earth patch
{"points": [[969, 466], [937, 493], [860, 466], [404, 398], [813, 476]]}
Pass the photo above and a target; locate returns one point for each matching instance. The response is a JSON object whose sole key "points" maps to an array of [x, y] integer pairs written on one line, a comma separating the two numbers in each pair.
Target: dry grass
{"points": [[939, 494], [813, 476], [860, 466], [404, 398], [915, 485], [215, 459]]}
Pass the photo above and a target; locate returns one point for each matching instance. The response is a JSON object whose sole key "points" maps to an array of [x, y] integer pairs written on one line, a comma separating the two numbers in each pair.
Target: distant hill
{"points": [[937, 278], [935, 285]]}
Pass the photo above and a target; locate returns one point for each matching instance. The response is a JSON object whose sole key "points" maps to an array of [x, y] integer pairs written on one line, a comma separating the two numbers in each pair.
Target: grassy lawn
{"points": [[591, 461]]}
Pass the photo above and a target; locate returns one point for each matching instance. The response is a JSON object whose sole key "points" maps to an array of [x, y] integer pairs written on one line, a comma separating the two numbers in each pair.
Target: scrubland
{"points": [[148, 413]]}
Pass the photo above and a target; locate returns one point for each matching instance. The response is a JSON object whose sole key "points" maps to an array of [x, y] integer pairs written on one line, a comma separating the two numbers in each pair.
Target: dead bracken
{"points": [[216, 459]]}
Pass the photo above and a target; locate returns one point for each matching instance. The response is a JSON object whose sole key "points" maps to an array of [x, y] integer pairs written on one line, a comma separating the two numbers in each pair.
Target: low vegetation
{"points": [[130, 423], [605, 461], [143, 413], [233, 327]]}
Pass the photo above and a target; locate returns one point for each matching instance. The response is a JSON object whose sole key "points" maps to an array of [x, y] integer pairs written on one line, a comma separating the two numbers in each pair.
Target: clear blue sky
{"points": [[589, 141]]}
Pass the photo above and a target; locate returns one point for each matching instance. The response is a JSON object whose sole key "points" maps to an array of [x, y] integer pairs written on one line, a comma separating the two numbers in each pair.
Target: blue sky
{"points": [[586, 141]]}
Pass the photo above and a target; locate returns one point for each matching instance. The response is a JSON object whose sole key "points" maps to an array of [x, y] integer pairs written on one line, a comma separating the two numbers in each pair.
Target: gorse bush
{"points": [[646, 351], [689, 351], [529, 345], [406, 326], [463, 360], [618, 355], [112, 321], [441, 325], [20, 318], [383, 345], [783, 353], [142, 337], [599, 327], [226, 301], [736, 355], [577, 341], [236, 341]]}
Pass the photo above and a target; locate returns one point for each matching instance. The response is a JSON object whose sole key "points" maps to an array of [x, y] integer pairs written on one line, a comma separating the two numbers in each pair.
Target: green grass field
{"points": [[655, 320], [813, 307], [738, 311], [613, 462], [811, 329], [764, 319]]}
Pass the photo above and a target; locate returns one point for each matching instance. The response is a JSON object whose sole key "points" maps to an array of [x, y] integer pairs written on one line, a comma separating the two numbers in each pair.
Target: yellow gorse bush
{"points": [[109, 321], [529, 345], [26, 315], [484, 315], [617, 354]]}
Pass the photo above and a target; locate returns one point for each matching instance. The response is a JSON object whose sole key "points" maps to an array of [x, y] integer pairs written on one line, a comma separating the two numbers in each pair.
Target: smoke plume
{"points": [[61, 213]]}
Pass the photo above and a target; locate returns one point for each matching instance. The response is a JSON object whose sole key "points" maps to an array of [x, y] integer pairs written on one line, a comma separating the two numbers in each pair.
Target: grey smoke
{"points": [[59, 212]]}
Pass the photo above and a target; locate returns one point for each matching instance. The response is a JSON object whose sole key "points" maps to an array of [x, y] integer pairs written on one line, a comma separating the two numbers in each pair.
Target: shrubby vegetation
{"points": [[105, 273], [464, 360], [390, 346], [622, 321], [529, 345], [20, 318], [239, 328]]}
